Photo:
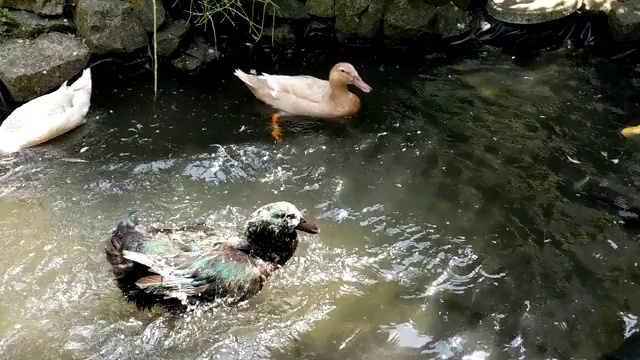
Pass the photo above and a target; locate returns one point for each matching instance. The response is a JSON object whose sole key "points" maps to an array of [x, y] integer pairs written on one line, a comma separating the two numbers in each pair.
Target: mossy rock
{"points": [[110, 26], [32, 68], [359, 19], [406, 20], [41, 7], [321, 8], [288, 9]]}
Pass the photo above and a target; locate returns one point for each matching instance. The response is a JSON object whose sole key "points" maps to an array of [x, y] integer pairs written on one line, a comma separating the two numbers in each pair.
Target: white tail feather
{"points": [[84, 82], [242, 76], [272, 83]]}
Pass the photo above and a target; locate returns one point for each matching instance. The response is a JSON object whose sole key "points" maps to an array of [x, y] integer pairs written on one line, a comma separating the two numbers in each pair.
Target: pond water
{"points": [[467, 212]]}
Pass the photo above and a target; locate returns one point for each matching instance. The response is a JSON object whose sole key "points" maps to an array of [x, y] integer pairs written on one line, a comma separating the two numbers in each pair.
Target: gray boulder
{"points": [[30, 68], [624, 21], [28, 24], [170, 37], [109, 26], [359, 19], [42, 7], [452, 21], [145, 14], [289, 9], [198, 53], [321, 8], [406, 20]]}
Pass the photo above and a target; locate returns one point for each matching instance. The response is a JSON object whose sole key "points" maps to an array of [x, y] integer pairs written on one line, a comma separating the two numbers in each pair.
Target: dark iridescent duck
{"points": [[167, 267]]}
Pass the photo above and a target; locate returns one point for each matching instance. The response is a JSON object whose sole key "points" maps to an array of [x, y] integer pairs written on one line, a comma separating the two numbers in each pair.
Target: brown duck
{"points": [[307, 95]]}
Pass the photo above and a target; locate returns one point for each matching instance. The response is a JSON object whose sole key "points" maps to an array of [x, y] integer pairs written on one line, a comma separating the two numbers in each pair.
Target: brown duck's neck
{"points": [[339, 91], [344, 101]]}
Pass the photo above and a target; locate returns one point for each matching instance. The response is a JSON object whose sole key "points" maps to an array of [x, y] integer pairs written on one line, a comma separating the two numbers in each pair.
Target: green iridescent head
{"points": [[277, 222]]}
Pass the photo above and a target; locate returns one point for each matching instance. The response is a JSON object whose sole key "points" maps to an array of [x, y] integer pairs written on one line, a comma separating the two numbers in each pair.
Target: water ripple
{"points": [[431, 202]]}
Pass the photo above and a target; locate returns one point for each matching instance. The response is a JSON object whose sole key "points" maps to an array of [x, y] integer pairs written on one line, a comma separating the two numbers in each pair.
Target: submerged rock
{"points": [[170, 37], [452, 21], [289, 9], [282, 35], [359, 19], [109, 26], [624, 21], [28, 24], [320, 8], [30, 68], [198, 53], [317, 30], [42, 7], [407, 20]]}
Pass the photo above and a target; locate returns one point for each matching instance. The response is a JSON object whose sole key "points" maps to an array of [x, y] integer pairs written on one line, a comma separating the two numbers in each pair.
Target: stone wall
{"points": [[45, 42]]}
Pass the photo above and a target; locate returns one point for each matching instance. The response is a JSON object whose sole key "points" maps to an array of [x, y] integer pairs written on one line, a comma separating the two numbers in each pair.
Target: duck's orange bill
{"points": [[631, 131]]}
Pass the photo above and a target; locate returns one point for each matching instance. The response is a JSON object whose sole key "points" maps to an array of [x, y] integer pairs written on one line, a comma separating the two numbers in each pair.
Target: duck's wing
{"points": [[194, 228], [190, 238], [226, 273], [305, 87], [270, 88]]}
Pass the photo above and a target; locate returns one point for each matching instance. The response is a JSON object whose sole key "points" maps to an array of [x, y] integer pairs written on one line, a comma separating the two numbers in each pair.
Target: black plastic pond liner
{"points": [[578, 30], [573, 31]]}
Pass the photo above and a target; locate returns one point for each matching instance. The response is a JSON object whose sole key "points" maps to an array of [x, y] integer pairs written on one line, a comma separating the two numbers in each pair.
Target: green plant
{"points": [[6, 19], [155, 49], [208, 11]]}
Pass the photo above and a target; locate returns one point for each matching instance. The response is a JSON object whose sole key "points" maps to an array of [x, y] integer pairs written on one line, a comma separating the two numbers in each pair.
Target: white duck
{"points": [[47, 116]]}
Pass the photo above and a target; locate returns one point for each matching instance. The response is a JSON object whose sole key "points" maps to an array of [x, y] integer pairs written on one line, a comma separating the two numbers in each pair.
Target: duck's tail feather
{"points": [[83, 83], [246, 78], [255, 81], [81, 90], [128, 224]]}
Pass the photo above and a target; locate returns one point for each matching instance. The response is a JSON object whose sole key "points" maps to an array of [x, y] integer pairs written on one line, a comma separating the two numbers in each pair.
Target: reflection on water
{"points": [[452, 226]]}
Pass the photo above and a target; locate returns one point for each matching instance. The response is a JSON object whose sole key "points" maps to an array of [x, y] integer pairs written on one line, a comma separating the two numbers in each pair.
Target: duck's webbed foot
{"points": [[275, 127]]}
